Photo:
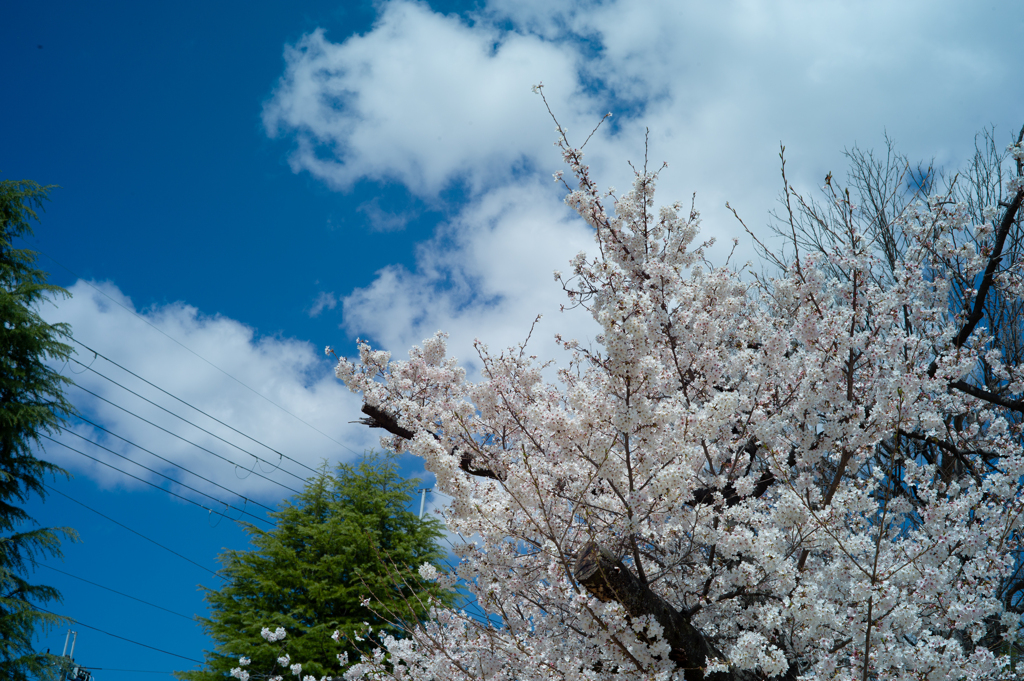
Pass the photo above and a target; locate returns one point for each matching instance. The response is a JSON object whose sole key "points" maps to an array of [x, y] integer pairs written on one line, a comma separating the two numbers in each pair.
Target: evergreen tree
{"points": [[345, 537], [31, 403]]}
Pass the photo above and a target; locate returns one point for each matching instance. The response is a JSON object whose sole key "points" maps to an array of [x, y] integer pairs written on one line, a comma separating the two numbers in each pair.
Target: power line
{"points": [[188, 404], [183, 439], [144, 645], [178, 465], [182, 418], [143, 480], [166, 477], [152, 541], [119, 593], [133, 312], [137, 671]]}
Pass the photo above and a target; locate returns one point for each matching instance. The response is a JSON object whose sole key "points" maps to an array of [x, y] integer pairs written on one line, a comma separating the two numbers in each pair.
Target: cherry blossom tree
{"points": [[701, 495], [746, 477]]}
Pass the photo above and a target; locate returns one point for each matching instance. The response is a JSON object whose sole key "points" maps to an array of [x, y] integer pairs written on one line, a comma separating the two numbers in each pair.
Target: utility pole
{"points": [[69, 671]]}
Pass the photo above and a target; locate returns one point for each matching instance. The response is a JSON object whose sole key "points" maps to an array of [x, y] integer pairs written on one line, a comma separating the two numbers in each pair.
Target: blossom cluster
{"points": [[284, 661], [273, 636]]}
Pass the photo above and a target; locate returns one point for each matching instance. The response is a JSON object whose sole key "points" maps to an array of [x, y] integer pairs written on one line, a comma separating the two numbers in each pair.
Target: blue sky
{"points": [[255, 181]]}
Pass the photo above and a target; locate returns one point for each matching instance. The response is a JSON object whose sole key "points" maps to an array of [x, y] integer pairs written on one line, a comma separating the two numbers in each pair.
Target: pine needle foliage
{"points": [[346, 537], [32, 403]]}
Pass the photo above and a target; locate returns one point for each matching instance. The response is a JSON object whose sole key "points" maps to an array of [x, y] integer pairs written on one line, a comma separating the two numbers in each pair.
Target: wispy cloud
{"points": [[324, 301], [382, 220]]}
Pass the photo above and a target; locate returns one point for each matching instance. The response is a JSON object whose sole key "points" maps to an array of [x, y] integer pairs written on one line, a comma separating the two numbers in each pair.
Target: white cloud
{"points": [[428, 99], [423, 99], [384, 221], [324, 301], [293, 375], [486, 274]]}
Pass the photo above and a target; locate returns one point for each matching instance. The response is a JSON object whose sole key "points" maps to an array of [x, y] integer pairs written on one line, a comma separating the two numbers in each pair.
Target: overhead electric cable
{"points": [[194, 425], [178, 465], [151, 484], [119, 593], [152, 541], [137, 671], [144, 645], [183, 439], [146, 321], [147, 482], [191, 406]]}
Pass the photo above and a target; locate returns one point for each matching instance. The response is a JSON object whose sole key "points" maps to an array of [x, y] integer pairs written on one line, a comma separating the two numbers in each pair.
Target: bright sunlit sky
{"points": [[255, 181]]}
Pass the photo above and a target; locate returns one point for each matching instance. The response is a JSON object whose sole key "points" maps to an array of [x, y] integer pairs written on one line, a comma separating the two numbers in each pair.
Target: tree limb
{"points": [[377, 417], [993, 263], [991, 398], [706, 495], [606, 578]]}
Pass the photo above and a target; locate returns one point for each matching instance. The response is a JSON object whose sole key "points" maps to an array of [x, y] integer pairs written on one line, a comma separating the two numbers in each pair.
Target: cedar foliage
{"points": [[32, 403], [345, 537]]}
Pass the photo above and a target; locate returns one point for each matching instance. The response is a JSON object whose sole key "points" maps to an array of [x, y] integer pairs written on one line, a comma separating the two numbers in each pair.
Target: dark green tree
{"points": [[32, 403], [346, 536]]}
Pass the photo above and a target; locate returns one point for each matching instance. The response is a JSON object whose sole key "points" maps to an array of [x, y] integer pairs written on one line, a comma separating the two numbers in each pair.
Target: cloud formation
{"points": [[485, 274], [427, 99], [289, 394], [422, 99], [324, 301], [382, 220], [431, 100]]}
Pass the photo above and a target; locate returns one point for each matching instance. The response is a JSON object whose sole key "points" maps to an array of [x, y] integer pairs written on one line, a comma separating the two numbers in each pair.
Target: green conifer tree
{"points": [[346, 537], [31, 403]]}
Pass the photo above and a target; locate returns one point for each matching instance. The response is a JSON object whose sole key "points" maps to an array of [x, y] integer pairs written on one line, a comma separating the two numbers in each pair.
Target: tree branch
{"points": [[377, 417], [706, 495], [606, 578], [991, 398], [993, 263]]}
